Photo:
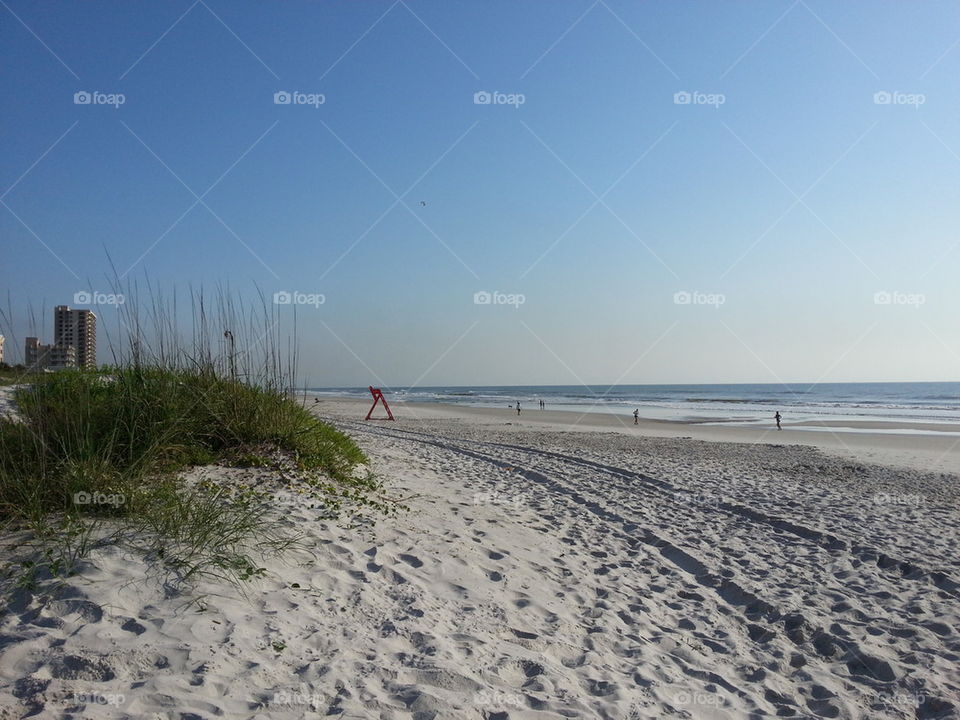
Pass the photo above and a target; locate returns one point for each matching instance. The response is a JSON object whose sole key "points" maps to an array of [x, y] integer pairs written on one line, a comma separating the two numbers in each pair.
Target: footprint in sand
{"points": [[74, 667], [523, 635], [411, 560], [88, 611], [211, 631], [132, 626]]}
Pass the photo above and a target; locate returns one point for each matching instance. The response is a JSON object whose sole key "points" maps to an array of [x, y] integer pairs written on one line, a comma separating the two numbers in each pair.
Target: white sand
{"points": [[541, 573], [7, 405]]}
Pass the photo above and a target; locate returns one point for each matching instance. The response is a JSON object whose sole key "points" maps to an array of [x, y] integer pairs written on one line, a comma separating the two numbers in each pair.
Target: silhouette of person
{"points": [[777, 418], [636, 416], [518, 407]]}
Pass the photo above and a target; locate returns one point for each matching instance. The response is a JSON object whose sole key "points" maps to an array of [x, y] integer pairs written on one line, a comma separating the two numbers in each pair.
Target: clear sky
{"points": [[810, 162]]}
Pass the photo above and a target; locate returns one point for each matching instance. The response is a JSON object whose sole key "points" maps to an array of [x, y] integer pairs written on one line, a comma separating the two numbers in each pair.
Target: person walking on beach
{"points": [[777, 418], [518, 407], [636, 416]]}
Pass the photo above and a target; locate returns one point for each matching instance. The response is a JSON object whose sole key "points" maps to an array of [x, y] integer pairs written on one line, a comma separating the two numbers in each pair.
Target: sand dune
{"points": [[538, 574]]}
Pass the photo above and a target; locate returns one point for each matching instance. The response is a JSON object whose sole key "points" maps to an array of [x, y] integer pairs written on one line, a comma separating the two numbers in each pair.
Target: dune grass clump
{"points": [[98, 457], [91, 446]]}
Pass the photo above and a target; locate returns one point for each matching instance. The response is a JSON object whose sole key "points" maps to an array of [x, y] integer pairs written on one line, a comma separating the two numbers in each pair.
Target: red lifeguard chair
{"points": [[378, 397]]}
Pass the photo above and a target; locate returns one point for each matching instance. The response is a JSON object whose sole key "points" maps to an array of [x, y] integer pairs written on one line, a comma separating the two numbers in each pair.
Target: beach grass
{"points": [[99, 457], [92, 446]]}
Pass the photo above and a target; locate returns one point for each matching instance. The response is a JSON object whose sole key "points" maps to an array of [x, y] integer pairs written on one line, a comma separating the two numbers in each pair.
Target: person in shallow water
{"points": [[636, 416], [777, 418]]}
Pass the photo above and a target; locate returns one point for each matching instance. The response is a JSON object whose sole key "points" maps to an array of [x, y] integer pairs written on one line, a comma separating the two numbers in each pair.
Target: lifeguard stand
{"points": [[378, 397]]}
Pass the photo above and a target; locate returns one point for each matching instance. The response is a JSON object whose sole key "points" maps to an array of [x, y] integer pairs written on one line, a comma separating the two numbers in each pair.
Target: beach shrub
{"points": [[92, 446]]}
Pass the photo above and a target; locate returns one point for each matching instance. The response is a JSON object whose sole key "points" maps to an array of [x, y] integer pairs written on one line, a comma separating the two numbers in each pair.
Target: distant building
{"points": [[1, 348], [79, 329], [38, 356], [74, 345]]}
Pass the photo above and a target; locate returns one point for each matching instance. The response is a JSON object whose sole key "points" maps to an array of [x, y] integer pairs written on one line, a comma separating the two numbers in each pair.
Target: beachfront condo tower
{"points": [[79, 329]]}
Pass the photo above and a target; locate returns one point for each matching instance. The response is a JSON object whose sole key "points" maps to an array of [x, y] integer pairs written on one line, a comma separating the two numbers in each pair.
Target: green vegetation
{"points": [[99, 457], [11, 374]]}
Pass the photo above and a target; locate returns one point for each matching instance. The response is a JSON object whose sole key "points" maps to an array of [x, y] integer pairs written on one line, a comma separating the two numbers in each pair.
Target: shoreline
{"points": [[926, 450]]}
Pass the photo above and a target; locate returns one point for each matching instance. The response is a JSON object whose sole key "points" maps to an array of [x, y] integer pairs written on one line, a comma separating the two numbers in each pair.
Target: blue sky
{"points": [[810, 221]]}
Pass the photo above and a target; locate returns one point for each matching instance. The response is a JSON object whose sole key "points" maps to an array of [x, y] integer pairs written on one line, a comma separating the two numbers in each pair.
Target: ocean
{"points": [[929, 402]]}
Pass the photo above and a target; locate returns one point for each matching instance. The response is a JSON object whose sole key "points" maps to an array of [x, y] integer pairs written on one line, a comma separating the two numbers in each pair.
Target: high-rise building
{"points": [[1, 348], [74, 343], [79, 329]]}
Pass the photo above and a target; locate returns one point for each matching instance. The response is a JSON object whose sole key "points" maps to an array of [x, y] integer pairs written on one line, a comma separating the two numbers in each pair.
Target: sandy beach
{"points": [[663, 297], [543, 570], [933, 447]]}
